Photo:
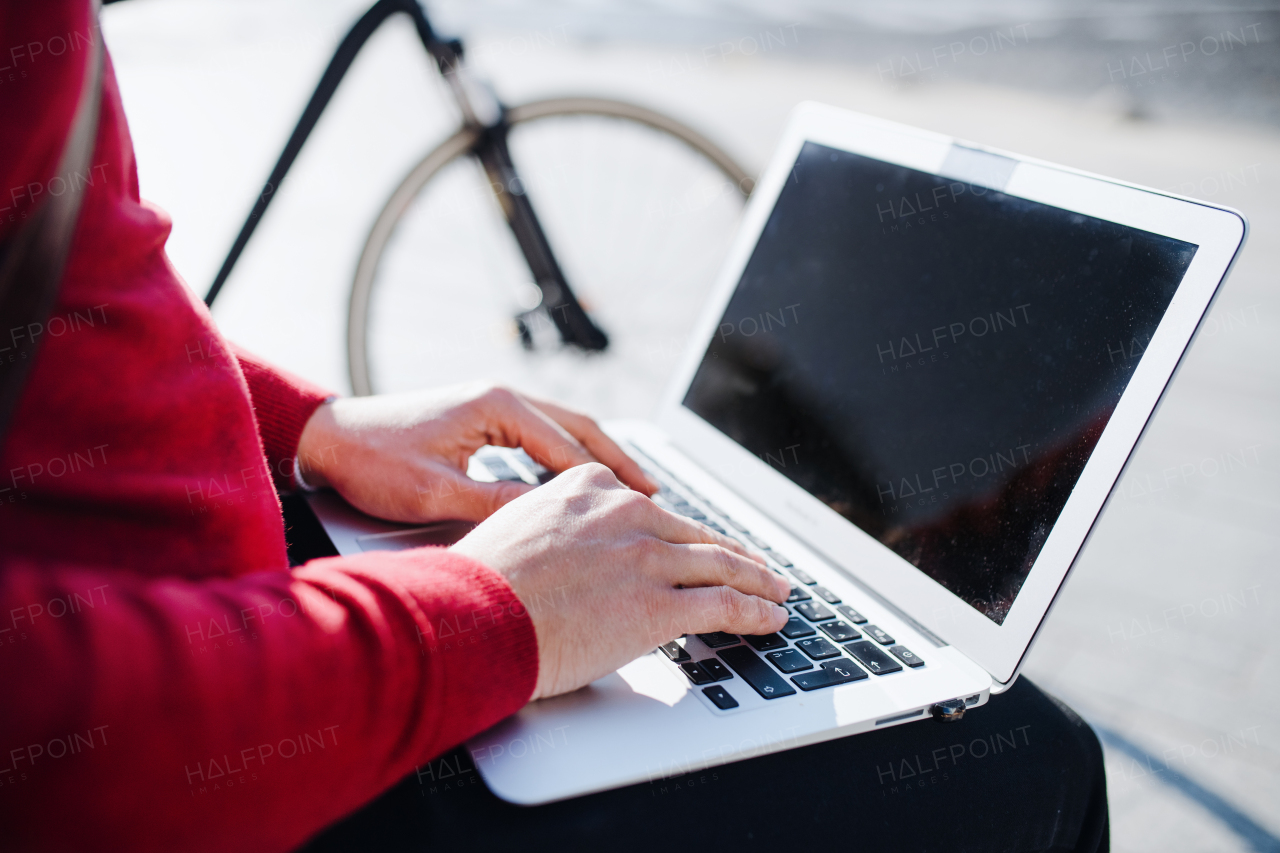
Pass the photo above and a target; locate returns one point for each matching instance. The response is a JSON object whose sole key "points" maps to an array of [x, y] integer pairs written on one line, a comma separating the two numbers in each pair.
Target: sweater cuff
{"points": [[282, 404], [468, 622]]}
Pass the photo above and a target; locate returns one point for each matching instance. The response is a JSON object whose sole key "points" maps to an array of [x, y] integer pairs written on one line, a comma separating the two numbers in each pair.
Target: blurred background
{"points": [[1164, 638]]}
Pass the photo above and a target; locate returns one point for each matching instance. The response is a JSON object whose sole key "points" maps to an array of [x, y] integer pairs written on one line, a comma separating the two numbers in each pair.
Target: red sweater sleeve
{"points": [[166, 682], [246, 713], [282, 404]]}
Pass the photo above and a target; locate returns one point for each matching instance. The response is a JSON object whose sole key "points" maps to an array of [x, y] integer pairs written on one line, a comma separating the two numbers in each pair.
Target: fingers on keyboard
{"points": [[881, 657]]}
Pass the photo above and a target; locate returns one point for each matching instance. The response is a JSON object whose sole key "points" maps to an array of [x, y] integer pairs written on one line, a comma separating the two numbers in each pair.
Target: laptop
{"points": [[915, 384]]}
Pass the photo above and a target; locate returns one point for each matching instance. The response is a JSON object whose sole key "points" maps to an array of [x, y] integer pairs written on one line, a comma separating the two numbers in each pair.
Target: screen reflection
{"points": [[933, 360]]}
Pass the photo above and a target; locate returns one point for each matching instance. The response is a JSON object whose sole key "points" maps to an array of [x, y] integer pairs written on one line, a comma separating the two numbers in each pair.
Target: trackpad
{"points": [[440, 533]]}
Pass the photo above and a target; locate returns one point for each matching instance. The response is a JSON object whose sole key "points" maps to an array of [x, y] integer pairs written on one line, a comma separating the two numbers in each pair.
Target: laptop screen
{"points": [[933, 360]]}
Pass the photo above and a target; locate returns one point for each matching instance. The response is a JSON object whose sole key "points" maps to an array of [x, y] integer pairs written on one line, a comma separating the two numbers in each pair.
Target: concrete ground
{"points": [[1163, 638]]}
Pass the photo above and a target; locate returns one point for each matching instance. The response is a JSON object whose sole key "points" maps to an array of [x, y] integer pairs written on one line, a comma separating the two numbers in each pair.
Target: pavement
{"points": [[1163, 637]]}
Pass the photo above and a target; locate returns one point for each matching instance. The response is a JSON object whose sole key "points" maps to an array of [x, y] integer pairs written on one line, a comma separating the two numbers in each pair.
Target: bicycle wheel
{"points": [[639, 210]]}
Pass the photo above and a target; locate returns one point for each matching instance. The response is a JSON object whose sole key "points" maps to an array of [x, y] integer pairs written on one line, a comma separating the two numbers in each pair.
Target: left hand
{"points": [[403, 457]]}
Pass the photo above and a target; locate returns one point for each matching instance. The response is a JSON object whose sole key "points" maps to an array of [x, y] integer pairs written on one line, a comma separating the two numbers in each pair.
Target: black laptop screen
{"points": [[933, 360]]}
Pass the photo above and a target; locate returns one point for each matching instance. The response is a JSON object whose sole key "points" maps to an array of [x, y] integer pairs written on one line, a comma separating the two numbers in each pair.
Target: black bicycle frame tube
{"points": [[445, 54], [572, 322], [558, 300]]}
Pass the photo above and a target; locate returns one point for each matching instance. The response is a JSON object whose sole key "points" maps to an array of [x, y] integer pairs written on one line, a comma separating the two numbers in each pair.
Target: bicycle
{"points": [[529, 314]]}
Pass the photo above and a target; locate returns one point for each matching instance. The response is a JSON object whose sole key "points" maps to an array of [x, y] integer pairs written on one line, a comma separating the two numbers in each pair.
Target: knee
{"points": [[1078, 757], [1080, 733]]}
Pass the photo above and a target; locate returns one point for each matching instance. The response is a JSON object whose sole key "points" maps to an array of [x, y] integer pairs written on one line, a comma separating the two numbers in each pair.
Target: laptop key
{"points": [[757, 541], [798, 594], [852, 615], [720, 698], [781, 560], [766, 642], [796, 628], [801, 575], [717, 528], [756, 672], [718, 639], [696, 673], [831, 674], [907, 656], [499, 468], [817, 648], [716, 670], [826, 595], [736, 526], [814, 612], [879, 635], [839, 631], [675, 651], [870, 656], [789, 660]]}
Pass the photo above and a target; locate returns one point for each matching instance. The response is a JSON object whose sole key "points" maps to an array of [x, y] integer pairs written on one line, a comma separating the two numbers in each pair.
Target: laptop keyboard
{"points": [[825, 642]]}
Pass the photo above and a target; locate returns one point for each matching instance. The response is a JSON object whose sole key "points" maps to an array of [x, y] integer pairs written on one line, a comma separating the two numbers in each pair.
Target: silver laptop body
{"points": [[919, 376]]}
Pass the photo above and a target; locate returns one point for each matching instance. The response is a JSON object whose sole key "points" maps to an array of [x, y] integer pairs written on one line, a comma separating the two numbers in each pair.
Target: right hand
{"points": [[607, 575]]}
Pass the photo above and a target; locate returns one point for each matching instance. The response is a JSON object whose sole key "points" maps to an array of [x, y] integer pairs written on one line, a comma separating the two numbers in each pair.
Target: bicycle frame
{"points": [[481, 110]]}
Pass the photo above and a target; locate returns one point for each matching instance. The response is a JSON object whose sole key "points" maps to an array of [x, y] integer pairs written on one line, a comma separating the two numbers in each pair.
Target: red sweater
{"points": [[166, 682]]}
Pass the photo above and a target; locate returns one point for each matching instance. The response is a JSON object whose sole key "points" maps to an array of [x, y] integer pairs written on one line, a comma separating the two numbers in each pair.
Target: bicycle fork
{"points": [[558, 299], [487, 114], [482, 110]]}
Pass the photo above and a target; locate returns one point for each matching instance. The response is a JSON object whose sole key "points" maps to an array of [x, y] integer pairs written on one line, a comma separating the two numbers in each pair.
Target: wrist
{"points": [[317, 446]]}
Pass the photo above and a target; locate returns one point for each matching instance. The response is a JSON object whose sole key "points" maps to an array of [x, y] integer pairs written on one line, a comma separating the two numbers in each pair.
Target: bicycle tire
{"points": [[462, 143]]}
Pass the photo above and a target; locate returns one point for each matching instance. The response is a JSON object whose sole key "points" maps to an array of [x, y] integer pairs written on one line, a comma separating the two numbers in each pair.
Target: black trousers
{"points": [[1022, 773]]}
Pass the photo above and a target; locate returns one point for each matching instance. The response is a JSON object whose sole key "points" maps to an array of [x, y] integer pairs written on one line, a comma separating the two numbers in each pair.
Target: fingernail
{"points": [[780, 612], [783, 586], [653, 484]]}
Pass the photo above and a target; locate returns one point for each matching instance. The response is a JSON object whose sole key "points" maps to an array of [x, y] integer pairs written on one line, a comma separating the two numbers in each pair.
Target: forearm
{"points": [[243, 713]]}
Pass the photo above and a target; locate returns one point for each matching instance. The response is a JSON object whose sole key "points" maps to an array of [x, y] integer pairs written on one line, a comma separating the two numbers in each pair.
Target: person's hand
{"points": [[403, 457], [607, 575]]}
